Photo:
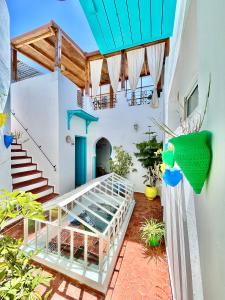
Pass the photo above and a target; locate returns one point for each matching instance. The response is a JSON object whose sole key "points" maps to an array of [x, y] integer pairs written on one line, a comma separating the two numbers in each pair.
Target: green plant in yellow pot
{"points": [[152, 180], [149, 156]]}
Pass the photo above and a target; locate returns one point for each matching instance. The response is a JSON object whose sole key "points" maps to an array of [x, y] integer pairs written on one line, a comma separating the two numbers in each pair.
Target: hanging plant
{"points": [[193, 155]]}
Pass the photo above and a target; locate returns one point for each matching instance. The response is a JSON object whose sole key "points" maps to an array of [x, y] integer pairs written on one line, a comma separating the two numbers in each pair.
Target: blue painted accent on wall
{"points": [[80, 114], [80, 160], [123, 24]]}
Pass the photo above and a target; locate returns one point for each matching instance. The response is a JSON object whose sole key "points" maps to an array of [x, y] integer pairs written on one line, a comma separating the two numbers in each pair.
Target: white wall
{"points": [[41, 104], [67, 101], [201, 52], [116, 125], [211, 206], [35, 103], [5, 154]]}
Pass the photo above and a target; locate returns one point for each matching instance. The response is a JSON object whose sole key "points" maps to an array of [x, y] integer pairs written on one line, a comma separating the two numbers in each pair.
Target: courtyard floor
{"points": [[141, 272]]}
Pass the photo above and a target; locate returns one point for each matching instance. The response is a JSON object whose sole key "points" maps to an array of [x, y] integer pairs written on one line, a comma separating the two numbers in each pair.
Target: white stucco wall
{"points": [[67, 101], [201, 53], [41, 104], [211, 206], [35, 103], [5, 154], [116, 125]]}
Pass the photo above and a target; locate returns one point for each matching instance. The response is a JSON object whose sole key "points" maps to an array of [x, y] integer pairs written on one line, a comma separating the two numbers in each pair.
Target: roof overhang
{"points": [[42, 46], [122, 24]]}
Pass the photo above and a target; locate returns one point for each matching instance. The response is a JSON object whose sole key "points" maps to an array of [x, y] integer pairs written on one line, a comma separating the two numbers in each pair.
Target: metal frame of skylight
{"points": [[63, 235]]}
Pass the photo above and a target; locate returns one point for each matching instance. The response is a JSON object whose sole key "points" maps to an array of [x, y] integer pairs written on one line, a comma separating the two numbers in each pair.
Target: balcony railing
{"points": [[103, 101], [142, 95]]}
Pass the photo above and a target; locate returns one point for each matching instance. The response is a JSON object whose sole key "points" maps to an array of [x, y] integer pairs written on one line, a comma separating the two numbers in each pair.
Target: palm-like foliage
{"points": [[148, 156], [152, 229], [18, 277]]}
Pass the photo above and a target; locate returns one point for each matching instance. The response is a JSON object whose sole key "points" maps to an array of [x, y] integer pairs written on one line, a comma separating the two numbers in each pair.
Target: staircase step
{"points": [[23, 167], [16, 146], [21, 160], [30, 184], [47, 198], [24, 176], [18, 152], [42, 191]]}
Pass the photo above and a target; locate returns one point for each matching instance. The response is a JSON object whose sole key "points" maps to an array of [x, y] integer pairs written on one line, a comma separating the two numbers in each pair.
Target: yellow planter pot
{"points": [[151, 192]]}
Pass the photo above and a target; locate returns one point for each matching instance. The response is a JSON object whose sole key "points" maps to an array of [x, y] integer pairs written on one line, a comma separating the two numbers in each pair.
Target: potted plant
{"points": [[149, 156], [152, 232]]}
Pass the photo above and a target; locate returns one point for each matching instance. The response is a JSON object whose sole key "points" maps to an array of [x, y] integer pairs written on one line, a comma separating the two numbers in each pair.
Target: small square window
{"points": [[191, 102]]}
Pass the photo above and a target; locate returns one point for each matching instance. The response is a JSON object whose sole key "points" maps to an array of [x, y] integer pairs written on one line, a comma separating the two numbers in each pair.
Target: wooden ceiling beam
{"points": [[66, 59], [33, 40], [74, 78], [35, 59], [97, 55], [39, 51]]}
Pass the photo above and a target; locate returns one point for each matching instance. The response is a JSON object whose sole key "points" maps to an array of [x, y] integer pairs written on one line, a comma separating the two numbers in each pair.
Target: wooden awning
{"points": [[52, 48]]}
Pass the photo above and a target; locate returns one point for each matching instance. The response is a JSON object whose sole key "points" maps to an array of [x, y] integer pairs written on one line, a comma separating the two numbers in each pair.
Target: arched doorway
{"points": [[103, 151]]}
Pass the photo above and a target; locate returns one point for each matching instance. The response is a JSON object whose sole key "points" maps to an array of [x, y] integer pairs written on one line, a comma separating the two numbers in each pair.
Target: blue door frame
{"points": [[80, 160]]}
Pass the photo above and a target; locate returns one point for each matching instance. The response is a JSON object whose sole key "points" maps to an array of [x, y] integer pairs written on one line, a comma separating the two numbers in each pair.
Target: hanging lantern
{"points": [[193, 155]]}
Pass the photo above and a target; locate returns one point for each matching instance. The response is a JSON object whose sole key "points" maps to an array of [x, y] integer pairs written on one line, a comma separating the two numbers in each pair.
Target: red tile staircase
{"points": [[26, 176]]}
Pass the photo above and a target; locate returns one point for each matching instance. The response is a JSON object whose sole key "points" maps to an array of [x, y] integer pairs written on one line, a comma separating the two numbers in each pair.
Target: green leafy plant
{"points": [[122, 163], [18, 277], [14, 204], [149, 156], [152, 231]]}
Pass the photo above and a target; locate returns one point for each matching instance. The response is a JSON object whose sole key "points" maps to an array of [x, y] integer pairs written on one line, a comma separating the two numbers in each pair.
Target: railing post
{"points": [[100, 254], [85, 250], [36, 233], [25, 231], [71, 244], [47, 235], [59, 231]]}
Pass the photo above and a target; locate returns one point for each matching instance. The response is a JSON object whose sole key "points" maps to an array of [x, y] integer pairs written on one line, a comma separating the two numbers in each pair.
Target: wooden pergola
{"points": [[53, 49]]}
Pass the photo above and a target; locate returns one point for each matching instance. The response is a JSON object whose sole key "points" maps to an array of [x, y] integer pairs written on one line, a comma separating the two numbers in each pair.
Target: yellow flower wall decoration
{"points": [[3, 119]]}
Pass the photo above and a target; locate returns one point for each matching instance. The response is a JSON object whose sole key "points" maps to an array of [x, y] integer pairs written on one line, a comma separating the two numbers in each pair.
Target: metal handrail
{"points": [[34, 141]]}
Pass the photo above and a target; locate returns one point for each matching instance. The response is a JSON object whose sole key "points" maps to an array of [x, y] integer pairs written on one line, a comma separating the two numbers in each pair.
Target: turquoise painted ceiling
{"points": [[122, 24]]}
